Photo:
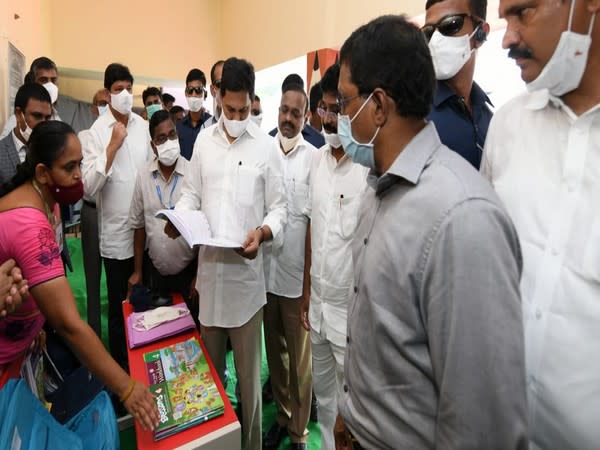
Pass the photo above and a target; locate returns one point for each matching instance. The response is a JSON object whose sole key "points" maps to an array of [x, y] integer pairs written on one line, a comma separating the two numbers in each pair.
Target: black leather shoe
{"points": [[274, 436], [298, 446]]}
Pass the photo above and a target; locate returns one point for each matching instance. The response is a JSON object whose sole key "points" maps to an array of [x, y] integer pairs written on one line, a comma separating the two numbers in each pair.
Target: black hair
{"points": [[157, 118], [316, 94], [238, 76], [478, 7], [149, 92], [176, 109], [46, 144], [391, 53], [296, 88], [292, 78], [196, 75], [329, 82], [166, 98], [213, 69], [116, 72], [31, 90], [257, 98], [41, 63]]}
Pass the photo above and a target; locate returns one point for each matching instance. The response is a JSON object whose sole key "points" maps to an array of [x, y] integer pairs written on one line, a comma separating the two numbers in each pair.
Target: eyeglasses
{"points": [[327, 114], [195, 90], [343, 101], [162, 138], [448, 26]]}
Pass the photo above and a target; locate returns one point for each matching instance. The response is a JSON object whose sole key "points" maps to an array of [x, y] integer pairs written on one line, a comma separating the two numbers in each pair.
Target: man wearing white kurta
{"points": [[235, 178], [288, 344], [336, 186], [117, 146], [543, 157]]}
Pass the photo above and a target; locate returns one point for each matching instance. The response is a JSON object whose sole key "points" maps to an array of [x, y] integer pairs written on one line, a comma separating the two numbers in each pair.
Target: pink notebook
{"points": [[138, 338]]}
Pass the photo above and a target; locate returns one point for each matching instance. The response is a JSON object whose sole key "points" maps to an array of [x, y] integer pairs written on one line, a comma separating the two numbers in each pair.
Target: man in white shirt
{"points": [[90, 243], [32, 106], [336, 185], [43, 72], [236, 180], [118, 146], [542, 155], [171, 263], [287, 344]]}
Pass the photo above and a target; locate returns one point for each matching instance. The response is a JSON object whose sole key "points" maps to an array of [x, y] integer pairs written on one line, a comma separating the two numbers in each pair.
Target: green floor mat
{"points": [[77, 281]]}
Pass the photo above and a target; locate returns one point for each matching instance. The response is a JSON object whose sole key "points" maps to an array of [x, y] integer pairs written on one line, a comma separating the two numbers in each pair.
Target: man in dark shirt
{"points": [[190, 126], [455, 29]]}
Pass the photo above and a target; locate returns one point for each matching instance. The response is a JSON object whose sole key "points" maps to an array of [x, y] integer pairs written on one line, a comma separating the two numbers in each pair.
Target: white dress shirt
{"points": [[239, 186], [151, 193], [544, 162], [114, 189], [21, 148], [284, 257], [336, 188], [11, 123]]}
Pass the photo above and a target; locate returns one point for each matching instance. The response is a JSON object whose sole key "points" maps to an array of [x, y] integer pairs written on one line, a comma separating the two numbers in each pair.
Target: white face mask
{"points": [[563, 72], [26, 133], [257, 119], [449, 53], [122, 102], [102, 110], [235, 128], [155, 317], [288, 144], [168, 152], [195, 103], [332, 139], [52, 90]]}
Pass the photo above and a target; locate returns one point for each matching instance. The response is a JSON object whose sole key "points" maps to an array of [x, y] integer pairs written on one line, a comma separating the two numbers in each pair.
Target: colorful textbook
{"points": [[184, 388]]}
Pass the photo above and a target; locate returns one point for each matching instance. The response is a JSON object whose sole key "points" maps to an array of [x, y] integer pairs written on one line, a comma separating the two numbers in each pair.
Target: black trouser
{"points": [[180, 283], [118, 272], [92, 263]]}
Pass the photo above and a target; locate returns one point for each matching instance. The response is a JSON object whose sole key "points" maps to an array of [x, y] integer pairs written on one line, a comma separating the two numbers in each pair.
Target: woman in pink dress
{"points": [[51, 174]]}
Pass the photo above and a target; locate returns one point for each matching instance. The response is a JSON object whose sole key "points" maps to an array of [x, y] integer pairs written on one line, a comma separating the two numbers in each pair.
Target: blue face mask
{"points": [[360, 153]]}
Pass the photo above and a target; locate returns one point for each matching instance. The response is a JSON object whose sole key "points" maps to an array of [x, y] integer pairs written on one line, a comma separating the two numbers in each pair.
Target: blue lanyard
{"points": [[158, 191]]}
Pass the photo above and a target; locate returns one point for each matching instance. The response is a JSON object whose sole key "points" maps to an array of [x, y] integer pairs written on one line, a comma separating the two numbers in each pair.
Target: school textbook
{"points": [[194, 228]]}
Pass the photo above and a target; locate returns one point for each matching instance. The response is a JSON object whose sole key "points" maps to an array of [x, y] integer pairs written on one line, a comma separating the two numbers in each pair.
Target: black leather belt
{"points": [[88, 203]]}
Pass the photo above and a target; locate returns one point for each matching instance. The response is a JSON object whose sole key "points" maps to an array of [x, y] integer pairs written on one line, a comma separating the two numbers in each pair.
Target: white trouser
{"points": [[328, 378]]}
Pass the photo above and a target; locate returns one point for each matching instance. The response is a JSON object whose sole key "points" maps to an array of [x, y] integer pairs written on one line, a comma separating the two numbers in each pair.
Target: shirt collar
{"points": [[18, 143], [329, 151], [179, 166], [411, 162], [301, 142], [133, 117], [443, 92], [539, 100]]}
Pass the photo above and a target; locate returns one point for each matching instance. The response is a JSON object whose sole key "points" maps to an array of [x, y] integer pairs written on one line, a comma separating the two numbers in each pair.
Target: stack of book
{"points": [[185, 391]]}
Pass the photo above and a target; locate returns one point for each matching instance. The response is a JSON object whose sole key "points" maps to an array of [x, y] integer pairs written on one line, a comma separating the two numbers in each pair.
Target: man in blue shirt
{"points": [[190, 126], [455, 29]]}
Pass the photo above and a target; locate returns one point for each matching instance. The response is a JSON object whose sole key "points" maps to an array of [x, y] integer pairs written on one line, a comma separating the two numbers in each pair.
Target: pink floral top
{"points": [[28, 238]]}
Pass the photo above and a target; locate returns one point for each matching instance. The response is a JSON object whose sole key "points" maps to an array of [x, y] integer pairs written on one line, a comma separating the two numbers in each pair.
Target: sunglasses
{"points": [[449, 25], [195, 90]]}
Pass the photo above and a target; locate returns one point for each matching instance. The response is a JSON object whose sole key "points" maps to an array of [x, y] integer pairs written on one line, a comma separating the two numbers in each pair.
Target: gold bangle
{"points": [[123, 398]]}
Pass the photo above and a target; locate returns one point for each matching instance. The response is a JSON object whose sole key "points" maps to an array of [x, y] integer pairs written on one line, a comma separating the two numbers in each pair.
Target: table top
{"points": [[137, 369]]}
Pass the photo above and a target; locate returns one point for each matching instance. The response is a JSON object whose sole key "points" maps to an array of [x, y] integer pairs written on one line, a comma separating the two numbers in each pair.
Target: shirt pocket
{"points": [[298, 195], [347, 207], [247, 183]]}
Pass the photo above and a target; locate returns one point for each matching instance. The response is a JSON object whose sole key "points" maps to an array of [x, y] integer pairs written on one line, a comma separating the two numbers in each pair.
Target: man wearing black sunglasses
{"points": [[190, 126], [455, 29]]}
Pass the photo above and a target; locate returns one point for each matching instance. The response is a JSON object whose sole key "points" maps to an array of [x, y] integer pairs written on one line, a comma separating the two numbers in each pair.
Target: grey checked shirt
{"points": [[435, 355]]}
